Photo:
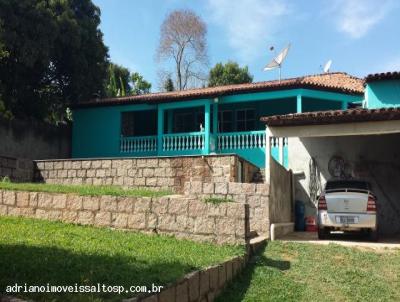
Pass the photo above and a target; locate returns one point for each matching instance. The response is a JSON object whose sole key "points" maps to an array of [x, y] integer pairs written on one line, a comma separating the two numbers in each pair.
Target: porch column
{"points": [[267, 154], [160, 129], [299, 104], [281, 151], [207, 109], [344, 105], [170, 114], [215, 118]]}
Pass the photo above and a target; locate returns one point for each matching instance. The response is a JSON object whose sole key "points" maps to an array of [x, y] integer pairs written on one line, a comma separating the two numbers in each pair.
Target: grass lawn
{"points": [[82, 189], [305, 272], [38, 252]]}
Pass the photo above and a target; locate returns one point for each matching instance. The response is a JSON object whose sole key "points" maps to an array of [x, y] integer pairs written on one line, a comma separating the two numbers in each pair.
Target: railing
{"points": [[138, 144], [241, 140], [183, 141]]}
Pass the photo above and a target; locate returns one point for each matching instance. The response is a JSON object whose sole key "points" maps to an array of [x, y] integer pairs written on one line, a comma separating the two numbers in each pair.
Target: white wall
{"points": [[375, 158]]}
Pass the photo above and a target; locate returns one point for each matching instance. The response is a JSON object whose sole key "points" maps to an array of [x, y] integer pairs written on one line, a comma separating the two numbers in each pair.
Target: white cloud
{"points": [[249, 24], [357, 17]]}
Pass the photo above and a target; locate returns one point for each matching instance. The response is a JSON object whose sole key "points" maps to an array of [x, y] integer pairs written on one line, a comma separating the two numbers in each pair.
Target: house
{"points": [[360, 143], [215, 120]]}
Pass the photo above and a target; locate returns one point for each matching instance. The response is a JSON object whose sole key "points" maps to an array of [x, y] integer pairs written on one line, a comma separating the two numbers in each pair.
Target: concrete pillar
{"points": [[267, 154], [160, 129], [280, 145], [207, 111], [299, 104]]}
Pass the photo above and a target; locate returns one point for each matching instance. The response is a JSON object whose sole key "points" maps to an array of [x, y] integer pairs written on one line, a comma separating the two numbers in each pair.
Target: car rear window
{"points": [[347, 184]]}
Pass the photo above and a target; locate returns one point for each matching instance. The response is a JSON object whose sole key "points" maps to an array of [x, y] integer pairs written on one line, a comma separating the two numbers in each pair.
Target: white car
{"points": [[347, 205]]}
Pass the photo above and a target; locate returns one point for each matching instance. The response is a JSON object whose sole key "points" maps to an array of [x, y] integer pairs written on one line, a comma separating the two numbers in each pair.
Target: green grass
{"points": [[217, 200], [82, 189], [38, 252], [306, 272]]}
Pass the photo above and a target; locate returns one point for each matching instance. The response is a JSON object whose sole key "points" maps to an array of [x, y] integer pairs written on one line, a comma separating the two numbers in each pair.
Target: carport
{"points": [[356, 143]]}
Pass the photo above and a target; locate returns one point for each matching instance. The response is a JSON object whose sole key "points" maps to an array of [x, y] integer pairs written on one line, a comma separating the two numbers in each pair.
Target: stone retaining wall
{"points": [[161, 172], [16, 169], [255, 195], [203, 285], [183, 217]]}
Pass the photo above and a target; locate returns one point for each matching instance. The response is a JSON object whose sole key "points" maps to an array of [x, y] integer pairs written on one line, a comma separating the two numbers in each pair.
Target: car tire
{"points": [[373, 235], [323, 233]]}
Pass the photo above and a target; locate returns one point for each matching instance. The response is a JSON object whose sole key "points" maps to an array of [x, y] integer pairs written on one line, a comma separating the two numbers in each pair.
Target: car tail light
{"points": [[322, 203], [371, 205]]}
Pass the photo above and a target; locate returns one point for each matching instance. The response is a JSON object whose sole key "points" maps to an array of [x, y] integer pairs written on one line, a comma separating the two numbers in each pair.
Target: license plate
{"points": [[347, 219]]}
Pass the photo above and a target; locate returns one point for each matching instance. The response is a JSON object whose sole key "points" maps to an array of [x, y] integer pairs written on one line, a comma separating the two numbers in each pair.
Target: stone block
{"points": [[235, 188], [225, 226], [167, 222], [100, 173], [208, 188], [137, 221], [196, 187], [70, 216], [96, 164], [76, 164], [49, 165], [194, 286], [45, 200], [178, 206], [160, 205], [9, 197], [102, 219], [59, 201], [152, 221], [71, 173], [140, 181], [22, 199], [108, 203], [85, 217], [197, 208], [106, 164], [151, 182], [126, 204], [235, 210], [91, 173], [119, 220], [81, 173], [143, 205], [91, 203], [58, 165], [204, 225], [3, 209], [74, 202], [262, 189], [86, 164]]}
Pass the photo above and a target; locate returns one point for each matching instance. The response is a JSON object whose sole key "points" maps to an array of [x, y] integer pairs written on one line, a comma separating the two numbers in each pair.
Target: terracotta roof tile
{"points": [[333, 117], [336, 81], [393, 75]]}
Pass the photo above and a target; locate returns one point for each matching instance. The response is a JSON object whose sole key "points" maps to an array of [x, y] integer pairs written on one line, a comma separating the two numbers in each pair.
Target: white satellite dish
{"points": [[278, 61], [327, 66]]}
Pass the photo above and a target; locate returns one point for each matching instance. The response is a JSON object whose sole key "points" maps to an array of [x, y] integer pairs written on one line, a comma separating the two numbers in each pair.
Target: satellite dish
{"points": [[327, 66], [278, 60]]}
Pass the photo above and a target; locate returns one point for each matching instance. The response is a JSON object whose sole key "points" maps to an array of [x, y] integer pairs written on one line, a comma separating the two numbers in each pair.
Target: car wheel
{"points": [[373, 235], [323, 233]]}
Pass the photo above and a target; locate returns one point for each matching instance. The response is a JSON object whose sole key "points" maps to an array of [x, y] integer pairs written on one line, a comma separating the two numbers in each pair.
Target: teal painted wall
{"points": [[312, 104], [383, 94]]}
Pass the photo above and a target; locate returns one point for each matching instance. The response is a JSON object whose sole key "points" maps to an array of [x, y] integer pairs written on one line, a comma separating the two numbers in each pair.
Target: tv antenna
{"points": [[278, 60], [327, 66]]}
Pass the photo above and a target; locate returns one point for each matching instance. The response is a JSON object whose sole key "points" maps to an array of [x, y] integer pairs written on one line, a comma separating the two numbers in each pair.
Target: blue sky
{"points": [[360, 36]]}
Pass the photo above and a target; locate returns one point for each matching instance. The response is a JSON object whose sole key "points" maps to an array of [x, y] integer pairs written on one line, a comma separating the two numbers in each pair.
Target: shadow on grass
{"points": [[42, 265], [236, 291]]}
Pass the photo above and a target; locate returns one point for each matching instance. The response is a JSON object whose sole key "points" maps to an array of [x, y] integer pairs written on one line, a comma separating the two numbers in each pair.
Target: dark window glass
{"points": [[139, 123], [245, 120], [127, 121], [347, 184], [225, 121]]}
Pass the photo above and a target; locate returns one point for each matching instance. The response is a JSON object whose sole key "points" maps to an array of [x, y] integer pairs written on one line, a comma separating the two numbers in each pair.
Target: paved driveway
{"points": [[344, 239]]}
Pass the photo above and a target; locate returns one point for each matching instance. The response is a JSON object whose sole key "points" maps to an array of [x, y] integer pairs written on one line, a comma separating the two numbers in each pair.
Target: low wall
{"points": [[152, 172], [281, 203], [255, 195], [203, 285], [16, 169], [34, 140], [176, 215]]}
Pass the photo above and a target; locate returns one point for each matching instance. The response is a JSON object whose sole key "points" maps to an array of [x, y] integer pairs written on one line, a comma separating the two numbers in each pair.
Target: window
{"points": [[188, 121], [245, 120], [225, 121], [139, 123]]}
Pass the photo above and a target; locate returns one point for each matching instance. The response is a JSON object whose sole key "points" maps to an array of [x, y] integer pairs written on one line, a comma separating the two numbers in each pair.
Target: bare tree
{"points": [[183, 40]]}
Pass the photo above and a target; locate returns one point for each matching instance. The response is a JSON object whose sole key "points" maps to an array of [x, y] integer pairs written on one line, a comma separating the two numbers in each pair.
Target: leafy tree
{"points": [[121, 82], [139, 85], [56, 55], [118, 81], [169, 85], [183, 42], [229, 73]]}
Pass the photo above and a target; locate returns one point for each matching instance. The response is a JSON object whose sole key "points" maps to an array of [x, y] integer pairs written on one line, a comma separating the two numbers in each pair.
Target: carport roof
{"points": [[333, 117]]}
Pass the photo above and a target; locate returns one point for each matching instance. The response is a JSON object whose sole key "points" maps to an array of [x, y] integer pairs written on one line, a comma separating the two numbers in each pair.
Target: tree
{"points": [[169, 85], [121, 82], [56, 55], [118, 81], [229, 73], [183, 41], [139, 85]]}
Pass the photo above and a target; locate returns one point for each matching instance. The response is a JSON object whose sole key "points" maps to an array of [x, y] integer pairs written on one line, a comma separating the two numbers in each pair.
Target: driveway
{"points": [[343, 239]]}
